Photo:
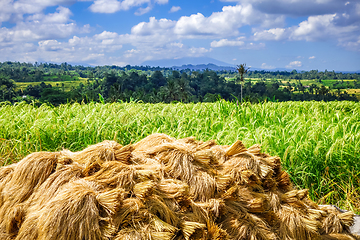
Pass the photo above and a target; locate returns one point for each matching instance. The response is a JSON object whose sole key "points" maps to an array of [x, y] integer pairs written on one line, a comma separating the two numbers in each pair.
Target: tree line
{"points": [[37, 72], [129, 84]]}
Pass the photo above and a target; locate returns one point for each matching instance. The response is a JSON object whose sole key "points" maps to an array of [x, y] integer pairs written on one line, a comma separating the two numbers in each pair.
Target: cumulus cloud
{"points": [[142, 11], [312, 57], [253, 46], [61, 16], [353, 45], [6, 10], [271, 34], [297, 7], [105, 6], [14, 11], [153, 39], [105, 48], [51, 35], [175, 9], [162, 1], [237, 43], [169, 50], [324, 27], [159, 32], [112, 6], [317, 28], [227, 43], [98, 49], [218, 24], [154, 26], [224, 23], [327, 20], [266, 66], [294, 64], [41, 27]]}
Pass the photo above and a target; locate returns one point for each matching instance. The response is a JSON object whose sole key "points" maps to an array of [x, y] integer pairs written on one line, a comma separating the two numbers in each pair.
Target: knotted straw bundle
{"points": [[160, 188]]}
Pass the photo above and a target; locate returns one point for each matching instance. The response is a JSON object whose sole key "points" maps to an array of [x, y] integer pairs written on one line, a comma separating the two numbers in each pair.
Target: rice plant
{"points": [[318, 142]]}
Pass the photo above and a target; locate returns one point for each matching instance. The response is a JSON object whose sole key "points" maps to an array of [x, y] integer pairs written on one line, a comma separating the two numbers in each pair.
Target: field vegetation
{"points": [[64, 83], [318, 142]]}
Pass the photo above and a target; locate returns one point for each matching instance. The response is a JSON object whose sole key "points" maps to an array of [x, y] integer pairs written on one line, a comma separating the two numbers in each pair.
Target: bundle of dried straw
{"points": [[160, 188]]}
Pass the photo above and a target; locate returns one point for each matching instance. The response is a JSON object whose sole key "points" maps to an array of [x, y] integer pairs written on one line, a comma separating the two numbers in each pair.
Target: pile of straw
{"points": [[160, 188]]}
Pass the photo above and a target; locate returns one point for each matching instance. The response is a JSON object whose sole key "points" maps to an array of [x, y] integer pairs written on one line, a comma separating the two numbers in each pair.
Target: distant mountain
{"points": [[202, 63], [185, 61], [358, 71], [209, 66]]}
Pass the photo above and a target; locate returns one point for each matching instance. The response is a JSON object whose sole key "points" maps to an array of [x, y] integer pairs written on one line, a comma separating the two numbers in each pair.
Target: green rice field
{"points": [[318, 142], [67, 84]]}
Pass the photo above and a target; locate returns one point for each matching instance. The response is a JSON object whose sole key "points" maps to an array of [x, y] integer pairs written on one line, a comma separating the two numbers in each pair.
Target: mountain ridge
{"points": [[202, 63]]}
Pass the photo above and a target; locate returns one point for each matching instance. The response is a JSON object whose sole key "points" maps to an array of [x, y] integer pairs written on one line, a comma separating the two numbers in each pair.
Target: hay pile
{"points": [[160, 188]]}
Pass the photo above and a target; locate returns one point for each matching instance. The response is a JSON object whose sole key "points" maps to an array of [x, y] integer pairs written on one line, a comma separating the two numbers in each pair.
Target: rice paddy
{"points": [[317, 142], [68, 84]]}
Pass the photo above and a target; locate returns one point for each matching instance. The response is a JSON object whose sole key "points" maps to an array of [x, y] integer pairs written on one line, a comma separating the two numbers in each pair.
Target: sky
{"points": [[267, 34]]}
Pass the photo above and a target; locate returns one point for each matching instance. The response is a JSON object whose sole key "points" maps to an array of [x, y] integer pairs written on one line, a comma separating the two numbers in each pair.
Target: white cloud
{"points": [[105, 6], [159, 32], [14, 11], [312, 57], [175, 9], [127, 4], [142, 11], [153, 27], [36, 6], [322, 28], [253, 46], [96, 49], [266, 66], [195, 52], [294, 64], [41, 27], [312, 28], [105, 48], [162, 1], [353, 45], [227, 43], [317, 28], [224, 23], [50, 45], [6, 10], [62, 16], [297, 7], [271, 34], [105, 35], [169, 51], [112, 6], [153, 39], [159, 38]]}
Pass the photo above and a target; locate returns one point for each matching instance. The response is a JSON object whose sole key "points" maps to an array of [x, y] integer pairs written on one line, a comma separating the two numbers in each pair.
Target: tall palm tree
{"points": [[242, 69]]}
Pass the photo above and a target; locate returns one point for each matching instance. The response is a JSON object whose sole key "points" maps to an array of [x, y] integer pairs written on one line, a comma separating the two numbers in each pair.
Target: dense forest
{"points": [[155, 84]]}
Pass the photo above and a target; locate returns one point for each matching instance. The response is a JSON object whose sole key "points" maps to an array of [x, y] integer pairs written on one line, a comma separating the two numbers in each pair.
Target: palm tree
{"points": [[184, 89], [242, 69]]}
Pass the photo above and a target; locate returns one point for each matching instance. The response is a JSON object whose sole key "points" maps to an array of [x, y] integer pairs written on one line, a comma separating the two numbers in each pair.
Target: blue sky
{"points": [[268, 34]]}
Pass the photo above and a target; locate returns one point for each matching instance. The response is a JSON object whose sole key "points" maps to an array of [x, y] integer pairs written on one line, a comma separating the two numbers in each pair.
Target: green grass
{"points": [[319, 143], [67, 84]]}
